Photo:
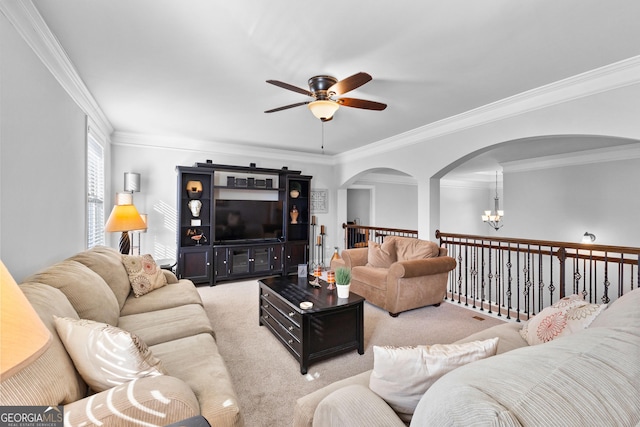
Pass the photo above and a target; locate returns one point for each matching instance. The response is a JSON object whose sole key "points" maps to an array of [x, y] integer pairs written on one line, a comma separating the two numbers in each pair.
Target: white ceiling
{"points": [[196, 69]]}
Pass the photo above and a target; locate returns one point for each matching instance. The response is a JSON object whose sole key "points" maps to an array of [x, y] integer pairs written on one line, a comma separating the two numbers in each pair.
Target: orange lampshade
{"points": [[124, 218], [23, 336]]}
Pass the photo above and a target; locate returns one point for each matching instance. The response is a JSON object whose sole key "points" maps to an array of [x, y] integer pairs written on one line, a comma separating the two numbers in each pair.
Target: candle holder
{"points": [[320, 247], [331, 279], [312, 263]]}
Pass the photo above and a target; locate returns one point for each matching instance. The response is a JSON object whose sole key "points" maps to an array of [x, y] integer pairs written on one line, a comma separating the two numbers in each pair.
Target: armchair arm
{"points": [[355, 405], [422, 267], [171, 278], [157, 400], [355, 257]]}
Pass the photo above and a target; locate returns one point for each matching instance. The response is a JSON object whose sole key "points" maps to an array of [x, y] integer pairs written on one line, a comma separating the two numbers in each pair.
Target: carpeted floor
{"points": [[267, 378]]}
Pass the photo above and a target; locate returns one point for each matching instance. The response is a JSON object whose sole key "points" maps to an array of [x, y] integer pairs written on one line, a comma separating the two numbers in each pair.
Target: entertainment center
{"points": [[237, 221]]}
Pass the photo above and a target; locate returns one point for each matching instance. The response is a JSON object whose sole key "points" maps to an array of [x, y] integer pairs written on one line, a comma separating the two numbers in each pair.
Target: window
{"points": [[95, 192]]}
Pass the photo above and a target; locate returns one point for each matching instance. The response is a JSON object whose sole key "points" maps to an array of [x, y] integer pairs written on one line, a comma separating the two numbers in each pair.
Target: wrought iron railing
{"points": [[358, 236], [517, 278]]}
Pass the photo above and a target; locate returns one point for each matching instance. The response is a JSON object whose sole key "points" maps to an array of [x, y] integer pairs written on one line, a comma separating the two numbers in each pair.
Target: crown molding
{"points": [[215, 148], [28, 22], [613, 76], [587, 157]]}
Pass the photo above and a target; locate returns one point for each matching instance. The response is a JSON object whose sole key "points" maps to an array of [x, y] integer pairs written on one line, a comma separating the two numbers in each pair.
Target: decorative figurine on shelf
{"points": [[194, 189], [294, 189], [197, 236], [294, 215], [195, 206]]}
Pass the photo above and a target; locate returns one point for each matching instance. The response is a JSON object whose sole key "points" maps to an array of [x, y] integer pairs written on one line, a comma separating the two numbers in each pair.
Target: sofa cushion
{"points": [[105, 355], [408, 248], [622, 312], [508, 332], [87, 292], [567, 316], [144, 273], [52, 378], [107, 262], [401, 375], [374, 277], [337, 409], [196, 361], [303, 412], [381, 255], [149, 401], [173, 295], [588, 378], [169, 324]]}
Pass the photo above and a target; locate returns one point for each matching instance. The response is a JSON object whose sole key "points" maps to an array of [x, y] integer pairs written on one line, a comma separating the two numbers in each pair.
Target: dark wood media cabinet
{"points": [[234, 222]]}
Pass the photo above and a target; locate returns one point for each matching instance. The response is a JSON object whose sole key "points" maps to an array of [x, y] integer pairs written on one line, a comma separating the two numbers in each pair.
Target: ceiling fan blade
{"points": [[286, 107], [361, 103], [350, 83], [290, 87]]}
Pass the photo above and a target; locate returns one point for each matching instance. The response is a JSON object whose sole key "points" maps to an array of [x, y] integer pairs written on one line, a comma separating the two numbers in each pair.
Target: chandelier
{"points": [[494, 218]]}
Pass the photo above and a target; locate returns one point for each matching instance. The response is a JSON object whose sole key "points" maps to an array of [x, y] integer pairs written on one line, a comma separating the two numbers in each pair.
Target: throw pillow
{"points": [[381, 255], [567, 316], [410, 248], [106, 356], [144, 273], [401, 375]]}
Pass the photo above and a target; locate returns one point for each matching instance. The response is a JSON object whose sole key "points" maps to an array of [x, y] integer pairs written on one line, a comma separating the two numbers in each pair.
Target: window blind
{"points": [[95, 192]]}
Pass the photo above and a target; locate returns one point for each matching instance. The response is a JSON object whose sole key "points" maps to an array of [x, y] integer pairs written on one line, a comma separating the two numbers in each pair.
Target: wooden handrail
{"points": [[587, 246], [356, 235], [368, 227]]}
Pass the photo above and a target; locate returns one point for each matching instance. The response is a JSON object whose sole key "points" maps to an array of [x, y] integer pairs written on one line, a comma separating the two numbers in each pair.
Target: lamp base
{"points": [[125, 243]]}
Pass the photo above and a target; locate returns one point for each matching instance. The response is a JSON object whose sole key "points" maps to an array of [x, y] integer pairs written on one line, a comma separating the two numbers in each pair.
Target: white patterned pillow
{"points": [[106, 356], [567, 316], [401, 375], [144, 273]]}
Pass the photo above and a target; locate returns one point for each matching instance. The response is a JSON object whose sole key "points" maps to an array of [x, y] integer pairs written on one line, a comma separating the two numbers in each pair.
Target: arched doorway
{"points": [[381, 197], [556, 187]]}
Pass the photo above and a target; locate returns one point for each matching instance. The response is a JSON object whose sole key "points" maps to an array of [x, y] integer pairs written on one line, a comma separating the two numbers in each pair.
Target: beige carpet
{"points": [[267, 378]]}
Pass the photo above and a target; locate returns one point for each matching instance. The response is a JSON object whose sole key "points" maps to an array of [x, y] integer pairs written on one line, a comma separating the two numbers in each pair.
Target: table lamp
{"points": [[125, 218], [24, 337]]}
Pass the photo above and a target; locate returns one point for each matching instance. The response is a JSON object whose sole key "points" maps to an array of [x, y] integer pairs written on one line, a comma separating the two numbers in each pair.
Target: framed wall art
{"points": [[320, 201]]}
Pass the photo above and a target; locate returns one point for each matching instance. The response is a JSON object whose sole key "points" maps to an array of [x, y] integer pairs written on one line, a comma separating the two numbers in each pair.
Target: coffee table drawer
{"points": [[282, 306], [285, 321], [282, 332]]}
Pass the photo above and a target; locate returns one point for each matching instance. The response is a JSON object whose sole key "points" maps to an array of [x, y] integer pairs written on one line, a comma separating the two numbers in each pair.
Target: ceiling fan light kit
{"points": [[323, 109], [323, 89]]}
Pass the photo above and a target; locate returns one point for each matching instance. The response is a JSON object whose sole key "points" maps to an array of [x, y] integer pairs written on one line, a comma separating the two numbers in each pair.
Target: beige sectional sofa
{"points": [[588, 378], [171, 320]]}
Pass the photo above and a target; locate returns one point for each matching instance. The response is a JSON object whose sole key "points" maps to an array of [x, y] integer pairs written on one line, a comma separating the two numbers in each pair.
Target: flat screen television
{"points": [[248, 220]]}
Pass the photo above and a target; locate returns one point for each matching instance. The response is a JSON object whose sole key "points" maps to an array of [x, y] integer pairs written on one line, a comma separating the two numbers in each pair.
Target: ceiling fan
{"points": [[323, 89]]}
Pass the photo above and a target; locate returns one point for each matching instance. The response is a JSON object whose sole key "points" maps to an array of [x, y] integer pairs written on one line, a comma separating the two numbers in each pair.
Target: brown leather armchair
{"points": [[400, 274]]}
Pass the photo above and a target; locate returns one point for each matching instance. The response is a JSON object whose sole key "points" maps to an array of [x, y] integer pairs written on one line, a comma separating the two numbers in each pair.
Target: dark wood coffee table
{"points": [[334, 325]]}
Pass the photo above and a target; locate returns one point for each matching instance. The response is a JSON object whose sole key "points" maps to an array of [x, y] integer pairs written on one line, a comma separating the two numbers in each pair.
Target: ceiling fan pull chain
{"points": [[322, 147]]}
